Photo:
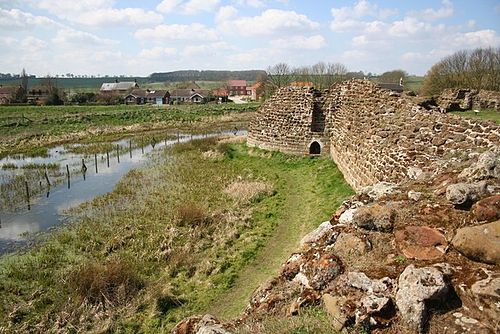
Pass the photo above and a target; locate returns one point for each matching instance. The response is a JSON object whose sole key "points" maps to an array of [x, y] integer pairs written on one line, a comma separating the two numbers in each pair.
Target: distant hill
{"points": [[192, 75]]}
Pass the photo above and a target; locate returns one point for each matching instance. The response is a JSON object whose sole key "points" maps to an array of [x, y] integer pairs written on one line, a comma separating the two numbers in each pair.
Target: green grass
{"points": [[491, 115], [172, 236], [29, 129]]}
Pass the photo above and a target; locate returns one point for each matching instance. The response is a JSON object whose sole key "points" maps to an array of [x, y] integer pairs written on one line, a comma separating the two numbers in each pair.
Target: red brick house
{"points": [[237, 87]]}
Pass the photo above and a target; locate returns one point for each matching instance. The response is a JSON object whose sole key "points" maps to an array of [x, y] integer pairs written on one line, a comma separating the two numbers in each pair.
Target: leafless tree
{"points": [[476, 69], [280, 75]]}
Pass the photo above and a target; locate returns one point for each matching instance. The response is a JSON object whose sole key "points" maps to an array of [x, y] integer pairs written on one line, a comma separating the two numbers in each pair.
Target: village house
{"points": [[237, 87], [189, 95], [143, 96], [38, 95], [118, 87], [220, 94], [255, 91], [10, 94]]}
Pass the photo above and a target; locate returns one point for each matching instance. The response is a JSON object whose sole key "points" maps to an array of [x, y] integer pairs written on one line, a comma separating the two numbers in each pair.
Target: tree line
{"points": [[475, 69]]}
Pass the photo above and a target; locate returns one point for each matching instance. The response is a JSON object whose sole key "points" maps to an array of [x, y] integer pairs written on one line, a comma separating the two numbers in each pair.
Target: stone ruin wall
{"points": [[453, 99], [374, 135], [283, 123]]}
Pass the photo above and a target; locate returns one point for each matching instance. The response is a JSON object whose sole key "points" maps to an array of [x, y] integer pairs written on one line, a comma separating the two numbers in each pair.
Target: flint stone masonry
{"points": [[372, 134]]}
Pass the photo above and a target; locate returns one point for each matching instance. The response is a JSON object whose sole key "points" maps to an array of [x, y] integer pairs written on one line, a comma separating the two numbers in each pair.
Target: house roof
{"points": [[236, 83], [220, 92], [188, 93], [148, 93], [138, 93], [391, 86], [125, 85], [158, 93]]}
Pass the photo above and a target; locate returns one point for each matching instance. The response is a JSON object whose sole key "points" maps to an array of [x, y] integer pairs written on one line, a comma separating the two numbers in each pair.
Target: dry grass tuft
{"points": [[192, 214], [246, 191], [111, 284]]}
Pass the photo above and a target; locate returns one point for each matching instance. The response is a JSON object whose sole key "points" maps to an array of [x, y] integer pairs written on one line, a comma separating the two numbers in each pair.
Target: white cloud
{"points": [[157, 52], [251, 3], [15, 19], [32, 44], [475, 39], [190, 7], [315, 42], [350, 18], [271, 21], [98, 13], [193, 31], [167, 6], [126, 16], [225, 13], [204, 50], [81, 39], [431, 14]]}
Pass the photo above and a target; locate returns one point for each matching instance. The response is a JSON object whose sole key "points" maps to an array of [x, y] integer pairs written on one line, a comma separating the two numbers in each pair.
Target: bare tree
{"points": [[280, 75], [476, 69]]}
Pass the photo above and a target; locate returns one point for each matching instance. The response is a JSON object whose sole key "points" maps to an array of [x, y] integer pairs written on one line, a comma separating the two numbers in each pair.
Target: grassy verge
{"points": [[491, 115], [29, 129], [171, 240]]}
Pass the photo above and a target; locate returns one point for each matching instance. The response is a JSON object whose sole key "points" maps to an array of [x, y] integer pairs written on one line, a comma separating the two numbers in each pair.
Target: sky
{"points": [[114, 37]]}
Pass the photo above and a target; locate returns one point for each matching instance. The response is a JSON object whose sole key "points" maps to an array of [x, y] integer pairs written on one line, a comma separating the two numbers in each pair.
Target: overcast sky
{"points": [[141, 37]]}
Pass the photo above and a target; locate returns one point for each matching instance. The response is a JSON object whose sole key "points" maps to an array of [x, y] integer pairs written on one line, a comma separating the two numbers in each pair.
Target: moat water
{"points": [[20, 226]]}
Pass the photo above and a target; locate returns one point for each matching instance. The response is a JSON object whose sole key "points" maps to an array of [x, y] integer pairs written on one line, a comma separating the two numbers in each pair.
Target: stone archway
{"points": [[315, 148]]}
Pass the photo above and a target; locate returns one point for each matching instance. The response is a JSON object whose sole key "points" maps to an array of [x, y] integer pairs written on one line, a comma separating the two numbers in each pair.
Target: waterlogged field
{"points": [[172, 239], [29, 129]]}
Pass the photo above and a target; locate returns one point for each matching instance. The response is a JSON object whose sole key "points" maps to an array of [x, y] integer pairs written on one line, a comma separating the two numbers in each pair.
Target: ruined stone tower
{"points": [[372, 134]]}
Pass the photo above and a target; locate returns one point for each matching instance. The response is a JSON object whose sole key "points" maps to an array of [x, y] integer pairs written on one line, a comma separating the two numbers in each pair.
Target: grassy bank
{"points": [[28, 129], [170, 241], [492, 115]]}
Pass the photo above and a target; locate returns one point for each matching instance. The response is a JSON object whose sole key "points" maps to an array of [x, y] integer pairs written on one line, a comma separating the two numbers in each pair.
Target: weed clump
{"points": [[192, 214], [110, 284]]}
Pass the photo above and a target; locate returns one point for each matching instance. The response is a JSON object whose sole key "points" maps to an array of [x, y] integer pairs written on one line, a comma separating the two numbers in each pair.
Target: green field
{"points": [[170, 240], [31, 128]]}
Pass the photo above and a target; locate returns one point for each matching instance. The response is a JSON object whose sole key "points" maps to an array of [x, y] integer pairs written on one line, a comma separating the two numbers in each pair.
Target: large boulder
{"points": [[375, 217], [416, 287], [465, 193], [334, 307], [421, 242], [486, 167], [487, 209], [323, 229], [480, 243], [379, 190]]}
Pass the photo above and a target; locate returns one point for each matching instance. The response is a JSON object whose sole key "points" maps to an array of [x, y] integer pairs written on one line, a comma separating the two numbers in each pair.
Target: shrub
{"points": [[113, 283]]}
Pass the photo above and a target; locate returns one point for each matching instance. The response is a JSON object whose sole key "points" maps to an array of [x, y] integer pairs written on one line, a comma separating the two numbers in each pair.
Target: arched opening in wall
{"points": [[318, 118], [315, 148]]}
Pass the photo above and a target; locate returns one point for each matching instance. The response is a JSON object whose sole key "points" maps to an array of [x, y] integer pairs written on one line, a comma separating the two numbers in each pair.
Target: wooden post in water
{"points": [[153, 142], [118, 152], [27, 194], [67, 174], [130, 148], [47, 178], [95, 160], [84, 169], [107, 158], [178, 137], [142, 145]]}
